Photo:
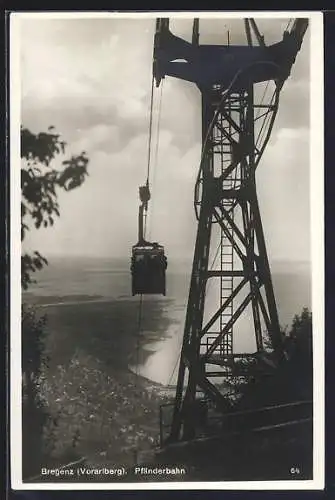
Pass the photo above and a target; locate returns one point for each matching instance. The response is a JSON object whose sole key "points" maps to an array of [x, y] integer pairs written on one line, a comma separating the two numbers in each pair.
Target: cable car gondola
{"points": [[148, 261]]}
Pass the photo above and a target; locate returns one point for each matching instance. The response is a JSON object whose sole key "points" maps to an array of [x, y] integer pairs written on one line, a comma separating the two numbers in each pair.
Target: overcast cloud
{"points": [[91, 79]]}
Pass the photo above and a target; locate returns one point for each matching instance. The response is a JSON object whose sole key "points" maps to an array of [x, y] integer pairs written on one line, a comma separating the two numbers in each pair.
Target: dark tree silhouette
{"points": [[44, 171], [40, 181], [293, 379]]}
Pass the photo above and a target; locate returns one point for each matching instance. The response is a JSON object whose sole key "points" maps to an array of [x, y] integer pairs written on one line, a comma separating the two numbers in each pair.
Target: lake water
{"points": [[70, 280]]}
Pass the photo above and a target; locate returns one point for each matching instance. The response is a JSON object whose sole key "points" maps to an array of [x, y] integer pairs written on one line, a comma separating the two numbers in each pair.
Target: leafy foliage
{"points": [[41, 179], [299, 345], [40, 182], [34, 409], [299, 340], [101, 411], [293, 379], [33, 340]]}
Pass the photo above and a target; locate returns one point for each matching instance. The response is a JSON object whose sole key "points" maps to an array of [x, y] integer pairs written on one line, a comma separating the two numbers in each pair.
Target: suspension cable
{"points": [[157, 137], [262, 100], [180, 343], [264, 124], [145, 224], [149, 146], [138, 337], [177, 360], [158, 126], [150, 127], [224, 96]]}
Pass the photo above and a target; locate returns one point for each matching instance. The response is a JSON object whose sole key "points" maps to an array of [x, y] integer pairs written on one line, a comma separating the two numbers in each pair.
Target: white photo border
{"points": [[317, 248]]}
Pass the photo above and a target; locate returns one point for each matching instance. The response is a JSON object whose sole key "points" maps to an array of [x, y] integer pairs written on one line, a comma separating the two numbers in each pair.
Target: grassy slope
{"points": [[101, 408]]}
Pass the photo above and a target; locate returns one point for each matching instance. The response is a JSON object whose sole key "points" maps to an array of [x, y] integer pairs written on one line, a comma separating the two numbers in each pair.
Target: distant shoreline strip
{"points": [[77, 302]]}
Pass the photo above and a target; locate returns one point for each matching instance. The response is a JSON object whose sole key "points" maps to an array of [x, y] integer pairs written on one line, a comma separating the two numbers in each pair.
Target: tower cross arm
{"points": [[208, 65]]}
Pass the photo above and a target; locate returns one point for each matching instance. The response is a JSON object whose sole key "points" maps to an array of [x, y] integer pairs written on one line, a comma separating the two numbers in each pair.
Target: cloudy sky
{"points": [[91, 79]]}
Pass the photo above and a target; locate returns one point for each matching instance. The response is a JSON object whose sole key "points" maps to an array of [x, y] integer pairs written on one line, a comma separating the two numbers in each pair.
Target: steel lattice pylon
{"points": [[235, 131]]}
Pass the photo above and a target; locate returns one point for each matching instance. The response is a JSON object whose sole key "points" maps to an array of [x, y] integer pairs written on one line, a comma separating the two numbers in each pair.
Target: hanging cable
{"points": [[145, 222], [264, 124], [150, 128], [157, 137], [158, 128], [224, 96], [149, 147], [262, 100], [138, 337], [176, 363], [179, 347]]}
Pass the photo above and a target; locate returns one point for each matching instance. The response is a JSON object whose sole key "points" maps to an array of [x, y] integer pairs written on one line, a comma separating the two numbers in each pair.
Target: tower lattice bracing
{"points": [[231, 292]]}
